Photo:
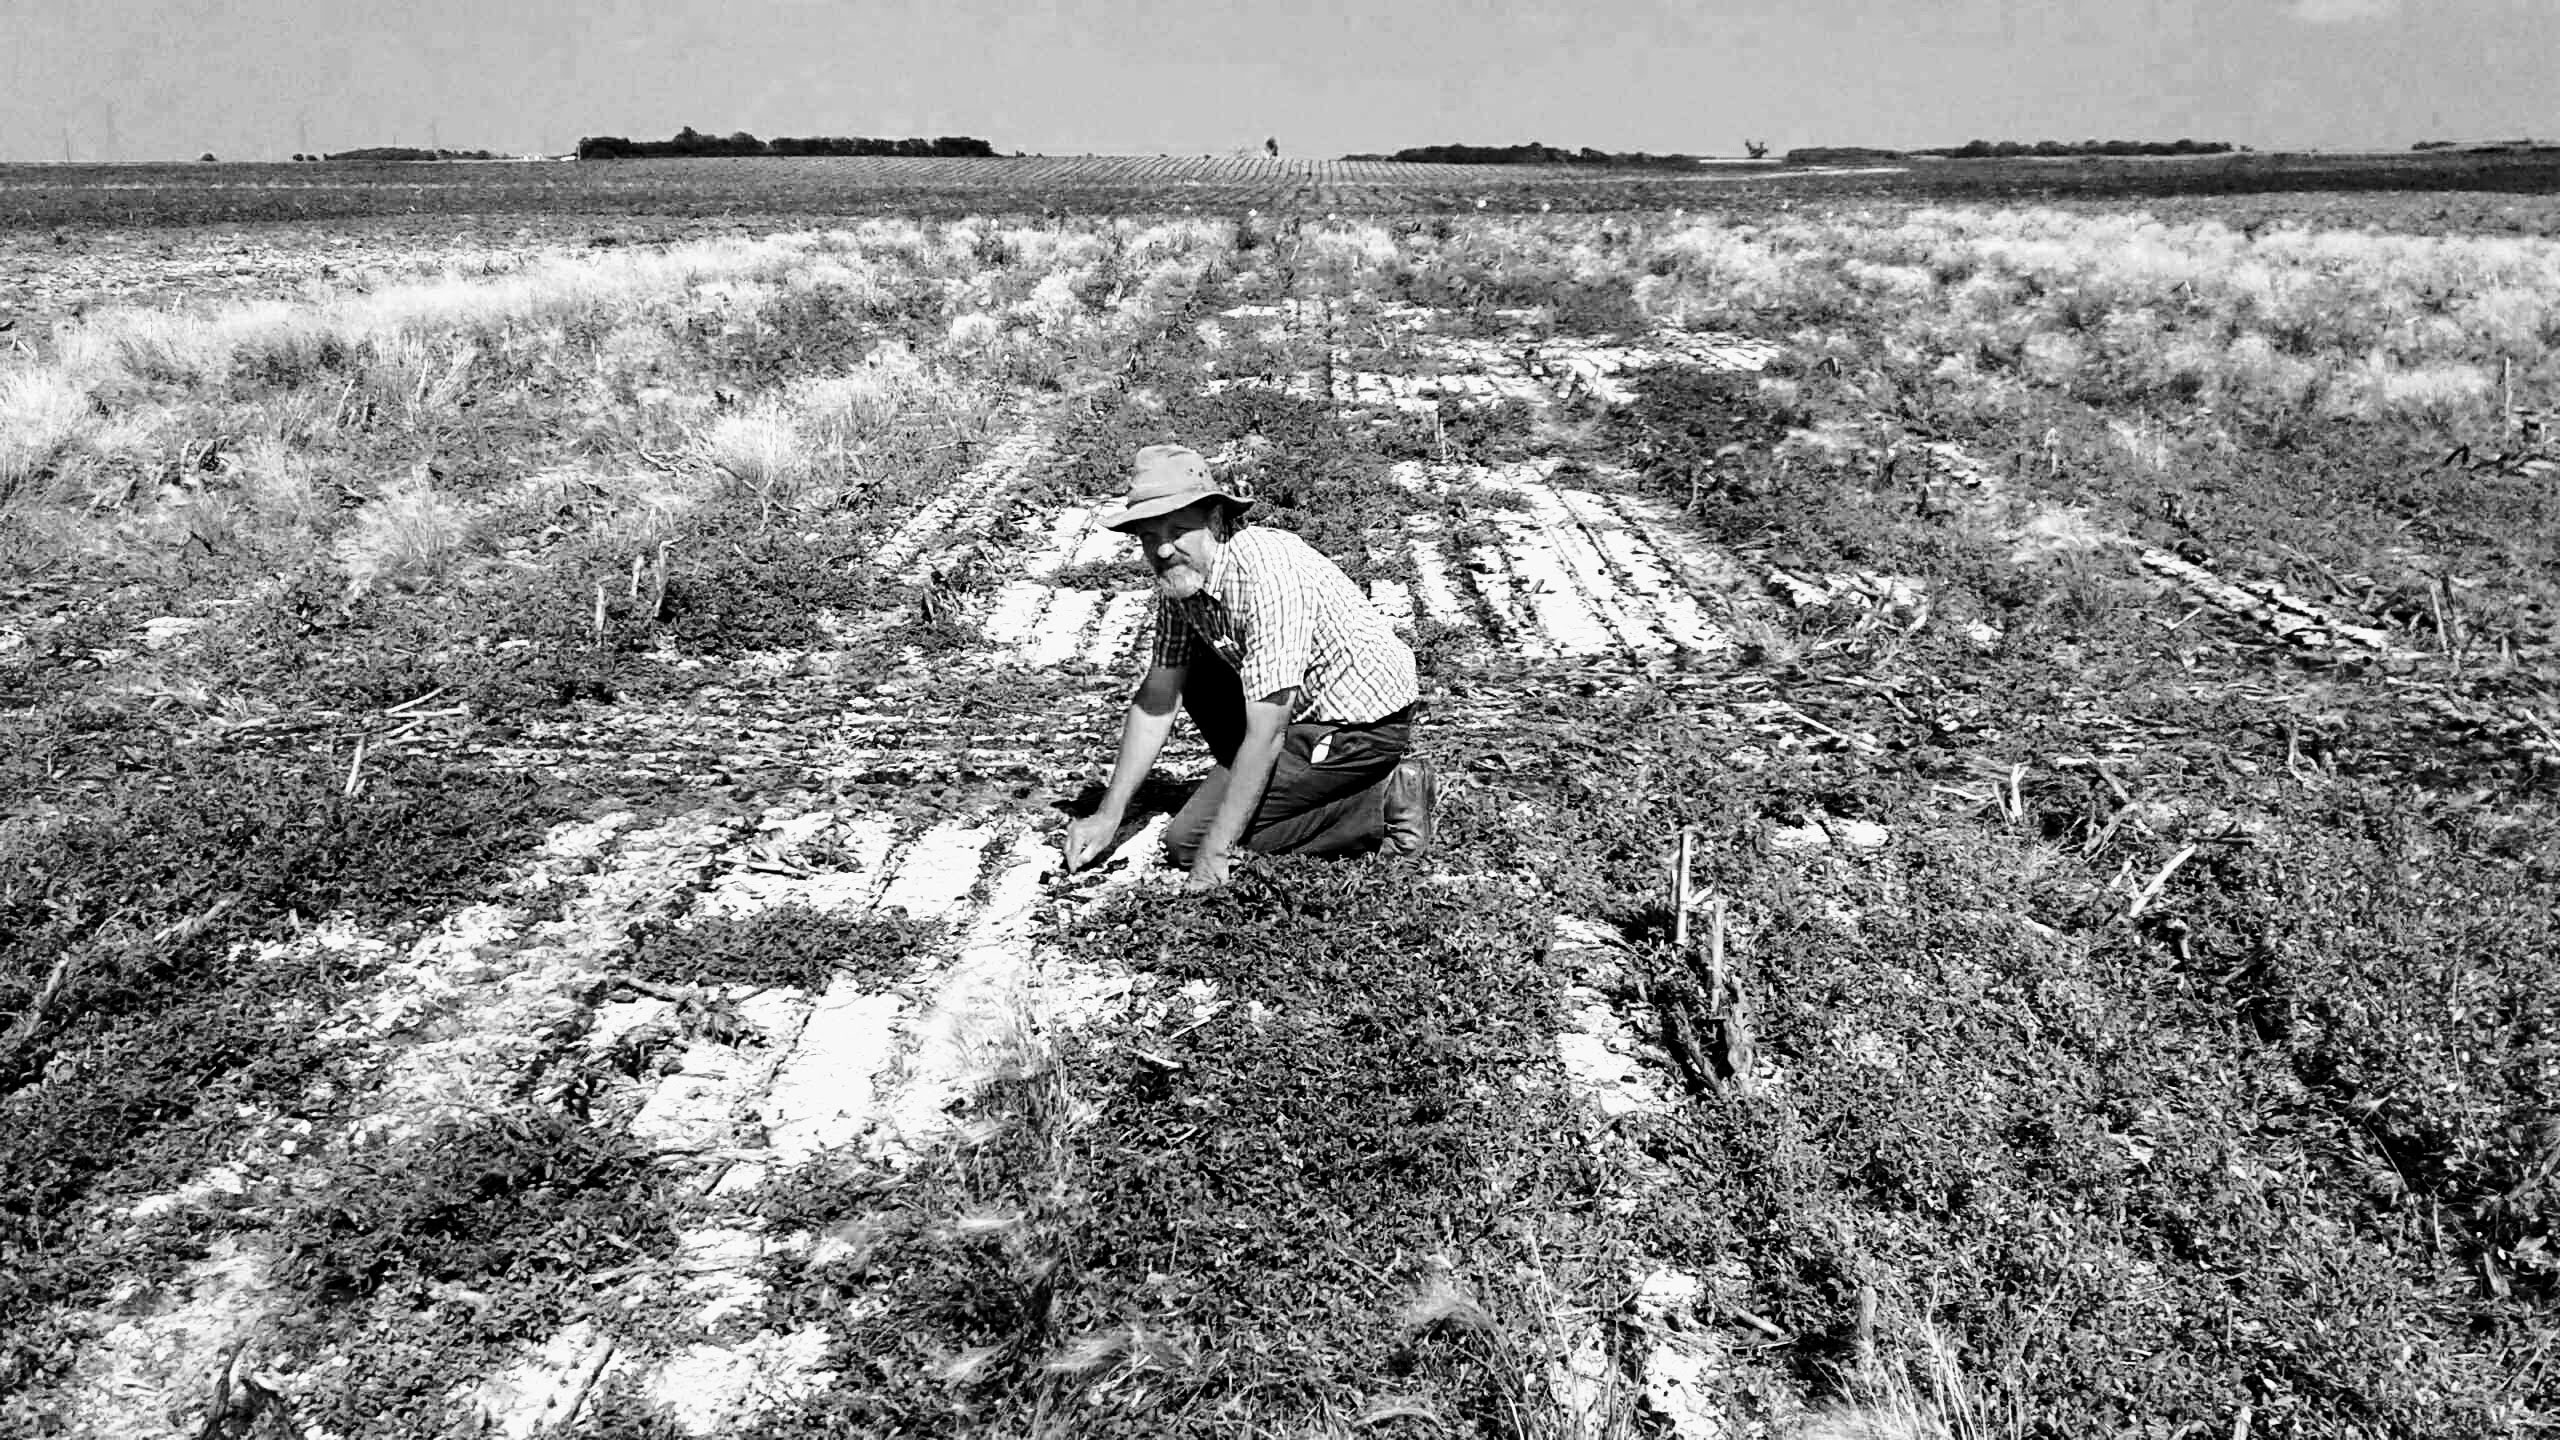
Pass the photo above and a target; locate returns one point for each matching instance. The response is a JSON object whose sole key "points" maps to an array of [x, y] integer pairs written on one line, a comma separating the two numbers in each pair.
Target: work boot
{"points": [[1410, 795]]}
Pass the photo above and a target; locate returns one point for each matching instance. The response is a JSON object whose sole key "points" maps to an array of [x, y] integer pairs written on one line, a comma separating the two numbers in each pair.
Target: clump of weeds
{"points": [[146, 1004], [440, 1254], [786, 945], [1454, 433], [1275, 1192]]}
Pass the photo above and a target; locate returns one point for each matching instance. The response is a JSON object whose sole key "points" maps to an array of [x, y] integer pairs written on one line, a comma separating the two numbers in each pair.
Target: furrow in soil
{"points": [[967, 506], [1512, 623], [856, 1071], [1435, 582], [1673, 1363], [1641, 573]]}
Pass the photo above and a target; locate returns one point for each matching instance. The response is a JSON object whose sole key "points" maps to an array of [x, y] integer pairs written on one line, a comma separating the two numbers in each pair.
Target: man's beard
{"points": [[1180, 582]]}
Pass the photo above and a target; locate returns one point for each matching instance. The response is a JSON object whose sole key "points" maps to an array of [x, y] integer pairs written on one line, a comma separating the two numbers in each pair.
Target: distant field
{"points": [[184, 193], [179, 194]]}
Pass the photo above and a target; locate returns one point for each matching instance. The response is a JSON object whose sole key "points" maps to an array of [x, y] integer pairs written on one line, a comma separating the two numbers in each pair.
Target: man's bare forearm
{"points": [[1256, 754], [1142, 733]]}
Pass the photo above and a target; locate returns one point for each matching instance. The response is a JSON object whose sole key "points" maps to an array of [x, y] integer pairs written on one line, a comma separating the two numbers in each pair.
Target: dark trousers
{"points": [[1326, 794]]}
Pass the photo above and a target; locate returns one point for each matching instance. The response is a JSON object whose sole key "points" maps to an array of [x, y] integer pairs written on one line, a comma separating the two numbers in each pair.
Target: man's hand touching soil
{"points": [[1208, 870], [1088, 839]]}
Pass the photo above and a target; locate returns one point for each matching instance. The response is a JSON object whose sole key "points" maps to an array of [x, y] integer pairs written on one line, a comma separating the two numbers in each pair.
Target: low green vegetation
{"points": [[785, 945], [426, 1261], [2248, 1119], [155, 991], [1306, 1200]]}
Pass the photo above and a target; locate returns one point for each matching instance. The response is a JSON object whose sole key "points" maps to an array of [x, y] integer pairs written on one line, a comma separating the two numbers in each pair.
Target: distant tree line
{"points": [[2484, 147], [1533, 153], [2013, 149], [1842, 155], [403, 152], [690, 142]]}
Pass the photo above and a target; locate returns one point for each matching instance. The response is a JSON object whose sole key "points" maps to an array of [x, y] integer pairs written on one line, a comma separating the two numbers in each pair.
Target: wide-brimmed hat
{"points": [[1166, 478]]}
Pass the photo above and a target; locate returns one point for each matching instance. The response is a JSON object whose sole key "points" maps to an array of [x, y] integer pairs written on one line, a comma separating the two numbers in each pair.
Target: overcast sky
{"points": [[145, 79]]}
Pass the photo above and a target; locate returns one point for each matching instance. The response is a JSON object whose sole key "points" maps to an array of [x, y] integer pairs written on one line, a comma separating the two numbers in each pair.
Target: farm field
{"points": [[528, 751], [2457, 188]]}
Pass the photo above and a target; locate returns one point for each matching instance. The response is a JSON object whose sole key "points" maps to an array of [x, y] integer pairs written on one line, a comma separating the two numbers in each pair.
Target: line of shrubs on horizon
{"points": [[2009, 150], [2528, 145], [1537, 154], [1532, 153], [2012, 149], [401, 152], [690, 142]]}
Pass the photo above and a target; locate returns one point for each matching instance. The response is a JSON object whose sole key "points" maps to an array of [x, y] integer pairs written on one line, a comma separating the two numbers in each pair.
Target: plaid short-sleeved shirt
{"points": [[1283, 615]]}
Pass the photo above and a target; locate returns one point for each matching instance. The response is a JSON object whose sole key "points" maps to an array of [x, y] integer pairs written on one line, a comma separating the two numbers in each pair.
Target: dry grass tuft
{"points": [[1443, 1306], [278, 483], [637, 354], [407, 535], [840, 412], [2443, 392], [1167, 286], [974, 333], [1132, 1350], [1054, 306], [41, 411], [761, 449], [1928, 1396]]}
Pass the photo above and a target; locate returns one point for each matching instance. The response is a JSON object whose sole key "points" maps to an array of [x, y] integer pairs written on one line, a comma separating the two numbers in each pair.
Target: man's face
{"points": [[1180, 547]]}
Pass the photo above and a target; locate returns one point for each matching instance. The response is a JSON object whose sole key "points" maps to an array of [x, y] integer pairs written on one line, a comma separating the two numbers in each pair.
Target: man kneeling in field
{"points": [[1302, 691]]}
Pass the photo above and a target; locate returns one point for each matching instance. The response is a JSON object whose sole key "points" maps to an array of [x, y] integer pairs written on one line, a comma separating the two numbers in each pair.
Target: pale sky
{"points": [[252, 79]]}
